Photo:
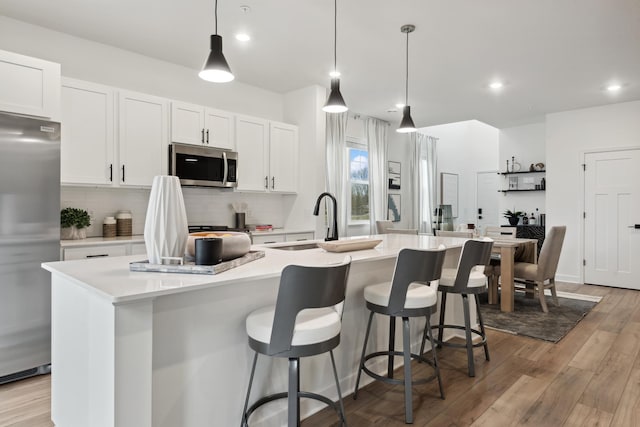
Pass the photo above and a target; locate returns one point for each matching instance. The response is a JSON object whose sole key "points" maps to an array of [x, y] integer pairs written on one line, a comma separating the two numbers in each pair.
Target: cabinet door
{"points": [[87, 134], [219, 129], [187, 123], [29, 86], [283, 158], [94, 252], [269, 238], [252, 144], [143, 130]]}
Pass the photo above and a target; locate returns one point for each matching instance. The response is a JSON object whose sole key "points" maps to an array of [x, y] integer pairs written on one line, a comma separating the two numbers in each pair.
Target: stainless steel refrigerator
{"points": [[29, 236]]}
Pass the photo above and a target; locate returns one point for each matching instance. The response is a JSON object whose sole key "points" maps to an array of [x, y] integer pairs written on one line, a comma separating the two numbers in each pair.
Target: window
{"points": [[358, 183]]}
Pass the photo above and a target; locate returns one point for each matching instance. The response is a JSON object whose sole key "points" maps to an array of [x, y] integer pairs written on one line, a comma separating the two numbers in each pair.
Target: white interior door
{"points": [[612, 213], [487, 200]]}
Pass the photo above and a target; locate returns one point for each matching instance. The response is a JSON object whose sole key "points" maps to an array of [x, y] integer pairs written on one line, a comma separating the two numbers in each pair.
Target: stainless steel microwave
{"points": [[203, 166]]}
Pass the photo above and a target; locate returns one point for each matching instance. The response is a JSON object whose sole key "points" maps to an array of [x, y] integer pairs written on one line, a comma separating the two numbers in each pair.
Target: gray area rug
{"points": [[528, 319]]}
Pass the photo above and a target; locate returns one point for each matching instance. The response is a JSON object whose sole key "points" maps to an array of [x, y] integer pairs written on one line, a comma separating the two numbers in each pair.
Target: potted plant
{"points": [[73, 222], [513, 216]]}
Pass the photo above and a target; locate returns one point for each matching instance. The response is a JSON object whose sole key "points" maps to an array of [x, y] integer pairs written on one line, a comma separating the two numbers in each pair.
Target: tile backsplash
{"points": [[204, 206]]}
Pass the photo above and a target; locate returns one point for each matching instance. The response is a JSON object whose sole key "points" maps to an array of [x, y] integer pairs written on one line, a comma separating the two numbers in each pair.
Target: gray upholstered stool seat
{"points": [[468, 279], [408, 295], [306, 320]]}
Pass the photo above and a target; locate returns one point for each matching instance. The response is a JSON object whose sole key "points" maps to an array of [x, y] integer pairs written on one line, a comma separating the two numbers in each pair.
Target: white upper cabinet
{"points": [[252, 139], [198, 125], [283, 157], [142, 137], [87, 141], [29, 86], [267, 155]]}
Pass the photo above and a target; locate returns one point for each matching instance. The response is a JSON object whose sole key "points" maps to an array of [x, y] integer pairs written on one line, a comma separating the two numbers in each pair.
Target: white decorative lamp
{"points": [[165, 228]]}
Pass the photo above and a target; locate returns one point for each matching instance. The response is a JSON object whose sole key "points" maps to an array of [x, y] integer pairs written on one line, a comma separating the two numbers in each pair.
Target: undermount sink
{"points": [[298, 247]]}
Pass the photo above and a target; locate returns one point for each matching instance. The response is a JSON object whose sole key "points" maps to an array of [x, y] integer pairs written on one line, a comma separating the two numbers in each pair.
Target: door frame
{"points": [[583, 195]]}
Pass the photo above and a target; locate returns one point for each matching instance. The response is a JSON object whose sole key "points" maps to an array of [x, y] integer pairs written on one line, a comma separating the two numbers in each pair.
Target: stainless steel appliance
{"points": [[203, 166], [29, 236]]}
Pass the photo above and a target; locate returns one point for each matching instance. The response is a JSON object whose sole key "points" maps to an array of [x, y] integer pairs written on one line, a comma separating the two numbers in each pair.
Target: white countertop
{"points": [[94, 241], [110, 277]]}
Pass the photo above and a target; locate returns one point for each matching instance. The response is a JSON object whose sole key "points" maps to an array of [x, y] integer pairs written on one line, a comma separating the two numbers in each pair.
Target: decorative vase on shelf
{"points": [[73, 233], [165, 227], [514, 220]]}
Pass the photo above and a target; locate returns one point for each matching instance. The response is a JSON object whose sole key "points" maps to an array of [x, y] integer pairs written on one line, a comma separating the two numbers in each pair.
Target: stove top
{"points": [[199, 228]]}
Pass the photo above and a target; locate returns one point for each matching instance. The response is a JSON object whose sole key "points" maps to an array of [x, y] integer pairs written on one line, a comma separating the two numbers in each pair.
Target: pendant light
{"points": [[216, 69], [406, 124], [335, 102]]}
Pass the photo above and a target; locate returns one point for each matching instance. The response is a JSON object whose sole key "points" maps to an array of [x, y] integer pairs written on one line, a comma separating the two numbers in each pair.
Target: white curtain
{"points": [[336, 171], [422, 168], [376, 135]]}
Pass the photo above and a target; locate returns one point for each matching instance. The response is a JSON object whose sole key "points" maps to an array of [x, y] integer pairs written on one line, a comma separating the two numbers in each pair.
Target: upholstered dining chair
{"points": [[386, 227], [542, 275]]}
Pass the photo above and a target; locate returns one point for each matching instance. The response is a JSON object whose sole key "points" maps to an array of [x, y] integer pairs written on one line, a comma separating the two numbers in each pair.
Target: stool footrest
{"points": [[395, 380], [481, 343], [284, 395]]}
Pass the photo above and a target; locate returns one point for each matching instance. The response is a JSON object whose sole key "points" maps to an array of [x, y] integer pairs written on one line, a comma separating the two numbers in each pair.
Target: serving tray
{"points": [[349, 245], [192, 268]]}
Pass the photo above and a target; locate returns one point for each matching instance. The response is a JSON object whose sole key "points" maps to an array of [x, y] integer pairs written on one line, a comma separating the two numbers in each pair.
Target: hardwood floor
{"points": [[590, 378]]}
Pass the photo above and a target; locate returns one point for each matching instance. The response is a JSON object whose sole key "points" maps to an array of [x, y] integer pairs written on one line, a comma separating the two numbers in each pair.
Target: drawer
{"points": [[261, 240], [138, 249], [94, 252], [298, 237]]}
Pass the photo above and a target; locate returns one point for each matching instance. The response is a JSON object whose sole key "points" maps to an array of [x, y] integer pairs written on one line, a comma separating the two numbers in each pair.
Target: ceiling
{"points": [[552, 55]]}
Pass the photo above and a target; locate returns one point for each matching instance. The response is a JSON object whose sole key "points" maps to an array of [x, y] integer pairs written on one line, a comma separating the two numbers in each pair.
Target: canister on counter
{"points": [[109, 227], [124, 226]]}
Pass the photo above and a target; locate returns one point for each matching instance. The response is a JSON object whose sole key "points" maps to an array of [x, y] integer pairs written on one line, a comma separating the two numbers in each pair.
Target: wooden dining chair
{"points": [[500, 232]]}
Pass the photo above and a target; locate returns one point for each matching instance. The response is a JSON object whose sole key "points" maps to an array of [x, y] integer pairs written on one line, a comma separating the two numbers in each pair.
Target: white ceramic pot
{"points": [[73, 233], [234, 244]]}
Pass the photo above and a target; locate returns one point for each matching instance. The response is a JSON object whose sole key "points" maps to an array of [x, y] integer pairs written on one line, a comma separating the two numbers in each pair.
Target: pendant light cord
{"points": [[335, 35], [215, 14], [406, 87]]}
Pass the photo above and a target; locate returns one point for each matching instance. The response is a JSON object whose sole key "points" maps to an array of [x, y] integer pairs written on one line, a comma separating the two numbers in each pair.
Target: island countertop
{"points": [[111, 278]]}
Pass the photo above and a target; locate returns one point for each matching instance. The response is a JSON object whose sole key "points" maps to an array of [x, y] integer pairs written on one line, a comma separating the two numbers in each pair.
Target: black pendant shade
{"points": [[216, 69], [406, 124], [335, 102]]}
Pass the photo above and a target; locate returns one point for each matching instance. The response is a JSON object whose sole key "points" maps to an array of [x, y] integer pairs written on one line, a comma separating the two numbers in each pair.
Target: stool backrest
{"points": [[413, 266], [474, 252], [303, 287]]}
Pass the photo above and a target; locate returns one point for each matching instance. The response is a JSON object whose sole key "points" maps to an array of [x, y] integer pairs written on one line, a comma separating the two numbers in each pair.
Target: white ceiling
{"points": [[553, 55]]}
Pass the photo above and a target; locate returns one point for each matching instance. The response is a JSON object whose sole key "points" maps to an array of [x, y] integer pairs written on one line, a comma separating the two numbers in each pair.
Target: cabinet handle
{"points": [[207, 136], [300, 240], [97, 256], [202, 136], [273, 182], [111, 172], [266, 182], [122, 173]]}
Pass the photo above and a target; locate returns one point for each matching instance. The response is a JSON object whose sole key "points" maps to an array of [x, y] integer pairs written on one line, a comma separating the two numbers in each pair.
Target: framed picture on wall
{"points": [[394, 207], [393, 173], [449, 191]]}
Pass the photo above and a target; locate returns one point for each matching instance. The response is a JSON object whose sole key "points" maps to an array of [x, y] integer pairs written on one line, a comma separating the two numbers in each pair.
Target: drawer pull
{"points": [[97, 256]]}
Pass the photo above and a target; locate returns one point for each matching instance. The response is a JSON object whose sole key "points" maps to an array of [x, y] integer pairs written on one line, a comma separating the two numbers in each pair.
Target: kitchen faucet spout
{"points": [[316, 211]]}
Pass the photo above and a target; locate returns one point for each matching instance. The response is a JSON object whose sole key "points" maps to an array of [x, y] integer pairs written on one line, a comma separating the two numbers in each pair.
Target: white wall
{"points": [[568, 136], [399, 150], [527, 145], [465, 148], [100, 63]]}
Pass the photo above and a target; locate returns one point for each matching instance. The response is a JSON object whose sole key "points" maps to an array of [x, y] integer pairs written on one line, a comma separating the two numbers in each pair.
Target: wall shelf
{"points": [[520, 172], [517, 181], [513, 191]]}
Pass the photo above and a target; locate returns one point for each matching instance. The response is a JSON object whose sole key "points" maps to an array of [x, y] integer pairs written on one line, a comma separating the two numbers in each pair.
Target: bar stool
{"points": [[306, 320], [468, 279], [408, 295]]}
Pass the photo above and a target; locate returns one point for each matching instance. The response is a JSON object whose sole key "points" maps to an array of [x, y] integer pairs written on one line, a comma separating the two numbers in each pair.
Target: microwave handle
{"points": [[226, 167]]}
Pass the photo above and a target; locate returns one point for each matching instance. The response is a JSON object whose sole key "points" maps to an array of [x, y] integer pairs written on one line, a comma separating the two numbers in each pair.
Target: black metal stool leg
{"points": [[443, 305], [424, 338], [392, 344], [467, 333], [293, 397], [406, 350], [335, 376], [244, 422], [436, 366], [364, 349], [484, 334]]}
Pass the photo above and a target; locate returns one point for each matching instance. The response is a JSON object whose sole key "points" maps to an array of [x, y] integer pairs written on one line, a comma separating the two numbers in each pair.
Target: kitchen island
{"points": [[145, 349]]}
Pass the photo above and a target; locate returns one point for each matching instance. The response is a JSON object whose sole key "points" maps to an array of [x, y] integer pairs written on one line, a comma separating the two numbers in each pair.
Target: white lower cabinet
{"points": [[94, 252], [299, 237], [29, 86], [263, 240]]}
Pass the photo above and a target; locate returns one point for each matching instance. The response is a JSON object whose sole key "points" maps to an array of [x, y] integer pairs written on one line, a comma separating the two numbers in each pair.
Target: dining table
{"points": [[527, 251]]}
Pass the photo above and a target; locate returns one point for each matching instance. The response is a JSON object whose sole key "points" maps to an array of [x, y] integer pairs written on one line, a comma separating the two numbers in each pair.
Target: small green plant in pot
{"points": [[73, 222], [513, 216]]}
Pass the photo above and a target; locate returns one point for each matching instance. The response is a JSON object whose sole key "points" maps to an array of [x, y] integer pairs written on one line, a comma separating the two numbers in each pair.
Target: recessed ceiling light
{"points": [[614, 88], [334, 74], [243, 37], [496, 85], [400, 105]]}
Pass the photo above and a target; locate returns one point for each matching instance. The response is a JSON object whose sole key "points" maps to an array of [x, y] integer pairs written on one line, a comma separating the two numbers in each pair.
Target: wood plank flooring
{"points": [[590, 378]]}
